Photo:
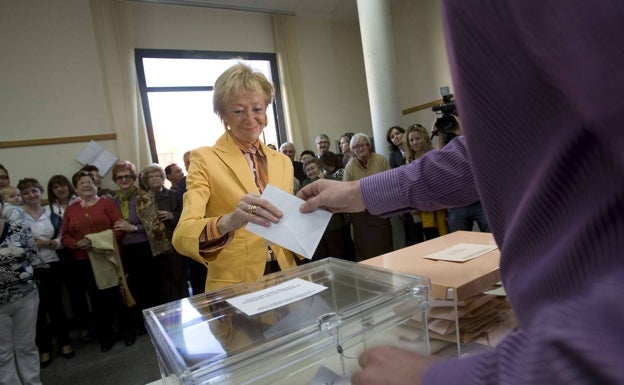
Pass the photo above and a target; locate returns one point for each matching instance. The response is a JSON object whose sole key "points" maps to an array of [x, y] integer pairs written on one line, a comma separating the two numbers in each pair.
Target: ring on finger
{"points": [[252, 209]]}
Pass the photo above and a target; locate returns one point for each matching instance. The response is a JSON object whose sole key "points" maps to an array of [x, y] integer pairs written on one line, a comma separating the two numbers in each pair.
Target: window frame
{"points": [[141, 53]]}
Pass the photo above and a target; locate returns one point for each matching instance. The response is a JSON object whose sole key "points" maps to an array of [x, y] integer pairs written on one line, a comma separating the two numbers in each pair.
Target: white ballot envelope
{"points": [[461, 252], [297, 232]]}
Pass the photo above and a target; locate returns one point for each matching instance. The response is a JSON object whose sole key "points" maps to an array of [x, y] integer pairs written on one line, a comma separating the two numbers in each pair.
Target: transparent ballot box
{"points": [[305, 325]]}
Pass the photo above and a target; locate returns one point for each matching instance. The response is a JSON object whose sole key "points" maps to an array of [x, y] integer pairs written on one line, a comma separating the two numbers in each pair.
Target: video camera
{"points": [[445, 115]]}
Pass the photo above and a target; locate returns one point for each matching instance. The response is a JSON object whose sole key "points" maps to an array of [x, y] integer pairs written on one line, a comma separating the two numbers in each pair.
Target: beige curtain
{"points": [[285, 37], [112, 24]]}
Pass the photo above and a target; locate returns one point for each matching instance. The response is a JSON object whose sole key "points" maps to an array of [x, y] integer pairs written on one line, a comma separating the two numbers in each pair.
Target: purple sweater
{"points": [[538, 85]]}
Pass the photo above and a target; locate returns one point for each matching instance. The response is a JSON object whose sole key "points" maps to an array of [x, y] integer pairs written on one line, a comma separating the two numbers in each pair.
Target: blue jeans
{"points": [[462, 218]]}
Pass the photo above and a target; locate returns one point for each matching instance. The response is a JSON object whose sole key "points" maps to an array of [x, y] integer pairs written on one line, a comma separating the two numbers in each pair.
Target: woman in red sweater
{"points": [[90, 215]]}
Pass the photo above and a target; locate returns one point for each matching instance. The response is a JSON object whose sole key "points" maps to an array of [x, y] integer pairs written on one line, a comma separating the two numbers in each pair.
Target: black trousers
{"points": [[271, 267]]}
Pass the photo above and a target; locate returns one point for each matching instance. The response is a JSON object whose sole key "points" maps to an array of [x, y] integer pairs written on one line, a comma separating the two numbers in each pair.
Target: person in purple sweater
{"points": [[536, 84]]}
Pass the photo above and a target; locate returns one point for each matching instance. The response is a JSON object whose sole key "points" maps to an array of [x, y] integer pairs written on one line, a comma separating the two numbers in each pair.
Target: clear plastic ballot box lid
{"points": [[305, 325]]}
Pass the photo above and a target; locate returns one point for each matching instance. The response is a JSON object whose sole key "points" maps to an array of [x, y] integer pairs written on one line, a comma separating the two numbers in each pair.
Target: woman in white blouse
{"points": [[46, 228]]}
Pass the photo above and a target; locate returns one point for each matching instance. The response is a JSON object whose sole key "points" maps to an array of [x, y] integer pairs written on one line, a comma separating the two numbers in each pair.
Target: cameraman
{"points": [[459, 218]]}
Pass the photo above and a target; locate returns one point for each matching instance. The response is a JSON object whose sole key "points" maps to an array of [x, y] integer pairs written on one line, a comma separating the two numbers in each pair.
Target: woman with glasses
{"points": [[372, 235], [61, 194], [93, 215], [46, 228], [95, 173], [172, 266], [143, 238]]}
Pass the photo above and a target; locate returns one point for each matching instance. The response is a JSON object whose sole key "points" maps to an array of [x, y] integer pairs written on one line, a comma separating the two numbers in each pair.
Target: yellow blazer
{"points": [[217, 179]]}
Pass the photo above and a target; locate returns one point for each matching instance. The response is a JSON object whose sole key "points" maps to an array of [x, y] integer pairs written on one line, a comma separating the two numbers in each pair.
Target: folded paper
{"points": [[297, 232], [461, 252]]}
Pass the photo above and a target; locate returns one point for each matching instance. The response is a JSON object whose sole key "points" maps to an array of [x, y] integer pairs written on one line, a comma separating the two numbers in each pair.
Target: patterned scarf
{"points": [[125, 202], [256, 159]]}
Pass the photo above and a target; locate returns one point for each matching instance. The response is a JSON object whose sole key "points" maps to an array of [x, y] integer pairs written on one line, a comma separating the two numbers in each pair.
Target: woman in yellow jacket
{"points": [[224, 184]]}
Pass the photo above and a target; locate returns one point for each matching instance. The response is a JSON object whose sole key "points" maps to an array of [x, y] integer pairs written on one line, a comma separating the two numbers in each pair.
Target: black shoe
{"points": [[47, 362], [106, 346], [129, 341], [85, 336], [67, 352]]}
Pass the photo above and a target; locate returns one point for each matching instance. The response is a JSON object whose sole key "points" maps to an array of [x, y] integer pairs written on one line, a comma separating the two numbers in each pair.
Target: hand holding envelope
{"points": [[297, 232]]}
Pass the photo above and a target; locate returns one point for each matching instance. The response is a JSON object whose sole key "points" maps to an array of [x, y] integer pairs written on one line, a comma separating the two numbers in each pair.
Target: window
{"points": [[176, 91]]}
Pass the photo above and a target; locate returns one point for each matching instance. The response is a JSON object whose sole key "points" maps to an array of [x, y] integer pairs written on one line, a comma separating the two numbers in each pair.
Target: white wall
{"points": [[334, 80], [51, 85], [196, 28], [422, 63], [52, 80]]}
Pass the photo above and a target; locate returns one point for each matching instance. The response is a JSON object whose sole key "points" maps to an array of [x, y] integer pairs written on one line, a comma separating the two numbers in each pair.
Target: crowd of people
{"points": [[149, 230], [61, 242], [552, 203], [372, 235]]}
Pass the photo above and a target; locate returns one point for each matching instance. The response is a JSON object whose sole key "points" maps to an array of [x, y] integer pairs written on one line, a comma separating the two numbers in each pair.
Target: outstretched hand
{"points": [[333, 196], [386, 365]]}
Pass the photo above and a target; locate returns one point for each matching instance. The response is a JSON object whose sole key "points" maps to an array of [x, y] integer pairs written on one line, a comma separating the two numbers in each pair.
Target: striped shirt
{"points": [[256, 160], [535, 82]]}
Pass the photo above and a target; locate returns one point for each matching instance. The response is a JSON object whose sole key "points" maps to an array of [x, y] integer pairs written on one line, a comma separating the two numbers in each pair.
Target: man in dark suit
{"points": [[288, 149], [174, 174], [196, 271]]}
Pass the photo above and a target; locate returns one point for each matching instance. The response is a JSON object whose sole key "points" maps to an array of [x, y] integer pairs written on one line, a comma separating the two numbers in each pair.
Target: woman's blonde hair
{"points": [[411, 155], [238, 79]]}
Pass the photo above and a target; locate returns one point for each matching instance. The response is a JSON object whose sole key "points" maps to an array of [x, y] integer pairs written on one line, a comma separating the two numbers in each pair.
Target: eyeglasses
{"points": [[359, 146], [155, 176], [122, 177], [322, 142], [4, 177], [84, 184]]}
